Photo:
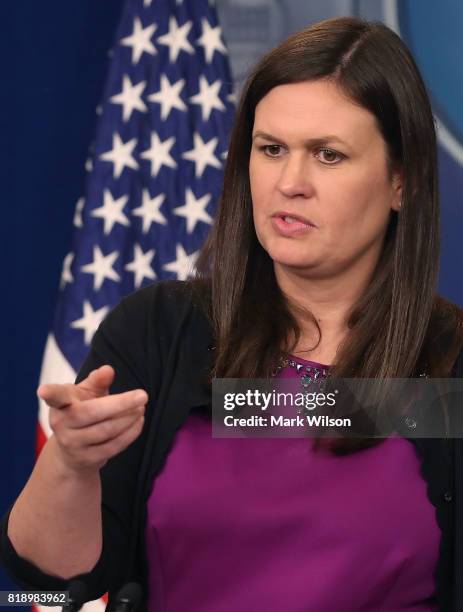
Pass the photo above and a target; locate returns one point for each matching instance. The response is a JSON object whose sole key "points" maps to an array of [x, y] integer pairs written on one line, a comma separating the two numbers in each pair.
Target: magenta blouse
{"points": [[247, 525]]}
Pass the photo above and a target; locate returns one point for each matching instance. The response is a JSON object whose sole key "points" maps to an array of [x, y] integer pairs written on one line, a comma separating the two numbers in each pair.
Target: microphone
{"points": [[77, 596], [127, 599]]}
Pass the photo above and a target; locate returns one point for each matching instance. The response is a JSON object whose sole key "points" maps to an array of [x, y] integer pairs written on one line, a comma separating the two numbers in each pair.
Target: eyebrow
{"points": [[320, 140]]}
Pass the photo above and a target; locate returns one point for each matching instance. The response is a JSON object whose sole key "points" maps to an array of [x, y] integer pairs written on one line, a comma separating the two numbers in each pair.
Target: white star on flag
{"points": [[169, 96], [183, 265], [66, 274], [121, 155], [211, 41], [77, 221], [130, 98], [90, 321], [140, 40], [194, 210], [208, 97], [158, 154], [111, 211], [202, 154], [140, 265], [176, 39], [102, 267], [150, 210], [155, 174], [147, 2]]}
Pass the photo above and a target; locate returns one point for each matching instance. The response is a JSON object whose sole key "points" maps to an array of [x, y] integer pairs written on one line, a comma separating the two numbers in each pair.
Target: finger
{"points": [[100, 432], [101, 452], [56, 396], [98, 381], [98, 454], [60, 395], [95, 410]]}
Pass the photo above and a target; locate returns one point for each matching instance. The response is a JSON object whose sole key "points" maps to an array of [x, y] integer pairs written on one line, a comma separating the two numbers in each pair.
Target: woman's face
{"points": [[320, 157]]}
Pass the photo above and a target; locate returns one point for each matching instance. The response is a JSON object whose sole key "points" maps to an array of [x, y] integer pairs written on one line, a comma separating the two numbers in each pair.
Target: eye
{"points": [[271, 150], [329, 154]]}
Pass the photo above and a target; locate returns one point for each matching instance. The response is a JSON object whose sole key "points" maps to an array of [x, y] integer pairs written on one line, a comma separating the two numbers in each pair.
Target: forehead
{"points": [[311, 109]]}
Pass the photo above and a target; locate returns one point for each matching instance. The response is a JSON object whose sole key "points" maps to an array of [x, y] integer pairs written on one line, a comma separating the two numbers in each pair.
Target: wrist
{"points": [[63, 468]]}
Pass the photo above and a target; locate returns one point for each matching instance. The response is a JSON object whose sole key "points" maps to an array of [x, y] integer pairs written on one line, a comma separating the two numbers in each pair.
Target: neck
{"points": [[329, 299]]}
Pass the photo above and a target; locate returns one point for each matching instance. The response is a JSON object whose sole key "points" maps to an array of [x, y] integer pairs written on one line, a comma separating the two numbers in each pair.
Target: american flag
{"points": [[154, 174]]}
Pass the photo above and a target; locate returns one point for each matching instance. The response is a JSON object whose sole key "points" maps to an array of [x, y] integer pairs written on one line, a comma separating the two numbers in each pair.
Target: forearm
{"points": [[56, 521]]}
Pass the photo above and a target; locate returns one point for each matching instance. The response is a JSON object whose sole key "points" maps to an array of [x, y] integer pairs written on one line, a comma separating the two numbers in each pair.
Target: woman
{"points": [[324, 255]]}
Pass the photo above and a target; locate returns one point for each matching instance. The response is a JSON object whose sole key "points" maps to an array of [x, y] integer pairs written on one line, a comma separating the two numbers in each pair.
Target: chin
{"points": [[286, 250], [296, 265], [283, 253], [292, 261]]}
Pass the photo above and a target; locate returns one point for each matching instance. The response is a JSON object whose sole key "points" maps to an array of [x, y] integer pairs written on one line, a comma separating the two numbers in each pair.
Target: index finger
{"points": [[95, 384], [95, 410], [56, 395]]}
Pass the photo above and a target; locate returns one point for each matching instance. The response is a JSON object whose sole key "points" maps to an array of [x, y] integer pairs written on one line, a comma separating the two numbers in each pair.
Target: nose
{"points": [[294, 177]]}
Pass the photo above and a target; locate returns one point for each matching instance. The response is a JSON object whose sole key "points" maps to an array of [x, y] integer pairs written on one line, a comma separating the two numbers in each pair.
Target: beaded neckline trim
{"points": [[310, 373]]}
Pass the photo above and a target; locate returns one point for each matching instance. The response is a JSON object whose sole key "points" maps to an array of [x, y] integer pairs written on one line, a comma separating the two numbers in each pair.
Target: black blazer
{"points": [[158, 339]]}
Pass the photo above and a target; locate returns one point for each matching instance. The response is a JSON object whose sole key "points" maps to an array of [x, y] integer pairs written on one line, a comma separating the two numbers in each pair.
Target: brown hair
{"points": [[400, 325]]}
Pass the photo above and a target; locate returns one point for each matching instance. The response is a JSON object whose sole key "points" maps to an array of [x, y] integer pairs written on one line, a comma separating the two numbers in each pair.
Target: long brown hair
{"points": [[400, 325]]}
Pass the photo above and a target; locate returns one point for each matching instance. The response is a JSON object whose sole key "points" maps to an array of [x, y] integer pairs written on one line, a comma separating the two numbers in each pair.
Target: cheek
{"points": [[257, 205], [357, 218], [361, 199], [260, 183]]}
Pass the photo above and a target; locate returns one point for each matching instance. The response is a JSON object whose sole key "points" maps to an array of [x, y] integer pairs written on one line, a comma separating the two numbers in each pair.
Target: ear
{"points": [[396, 202]]}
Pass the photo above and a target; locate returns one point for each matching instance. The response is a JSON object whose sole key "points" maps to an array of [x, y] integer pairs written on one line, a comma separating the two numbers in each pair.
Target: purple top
{"points": [[269, 524]]}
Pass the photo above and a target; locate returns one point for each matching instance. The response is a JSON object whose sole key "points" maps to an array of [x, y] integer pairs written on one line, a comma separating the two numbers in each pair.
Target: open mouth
{"points": [[289, 219], [290, 226]]}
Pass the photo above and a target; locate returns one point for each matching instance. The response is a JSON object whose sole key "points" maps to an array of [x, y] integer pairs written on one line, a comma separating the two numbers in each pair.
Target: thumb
{"points": [[98, 381]]}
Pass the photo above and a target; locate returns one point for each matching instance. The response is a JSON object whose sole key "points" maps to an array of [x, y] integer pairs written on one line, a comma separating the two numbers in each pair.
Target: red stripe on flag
{"points": [[40, 440]]}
